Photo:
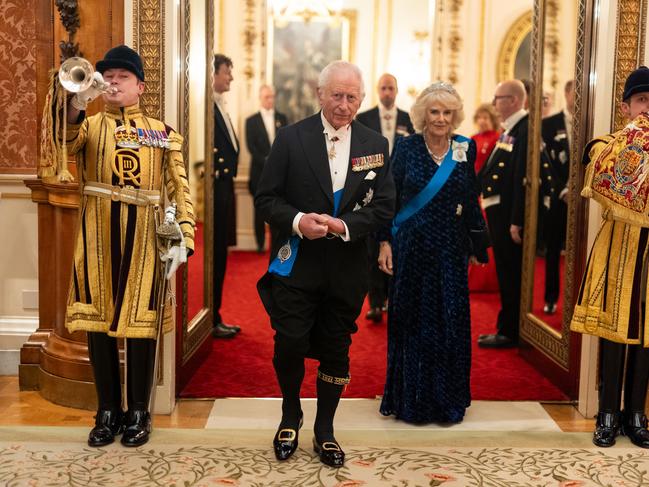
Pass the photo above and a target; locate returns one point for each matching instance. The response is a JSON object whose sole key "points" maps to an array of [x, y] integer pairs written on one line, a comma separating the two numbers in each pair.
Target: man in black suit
{"points": [[261, 129], [557, 131], [392, 123], [224, 169], [503, 197], [326, 185]]}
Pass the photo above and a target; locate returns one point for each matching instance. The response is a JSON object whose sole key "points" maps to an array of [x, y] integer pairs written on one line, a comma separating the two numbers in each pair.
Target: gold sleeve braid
{"points": [[178, 188], [76, 135]]}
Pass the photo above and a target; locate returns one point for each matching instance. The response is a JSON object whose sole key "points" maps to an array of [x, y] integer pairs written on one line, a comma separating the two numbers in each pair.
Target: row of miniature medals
{"points": [[132, 138]]}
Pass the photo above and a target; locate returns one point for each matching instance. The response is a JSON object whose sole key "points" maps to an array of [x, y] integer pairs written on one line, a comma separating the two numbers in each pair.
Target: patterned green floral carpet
{"points": [[59, 457]]}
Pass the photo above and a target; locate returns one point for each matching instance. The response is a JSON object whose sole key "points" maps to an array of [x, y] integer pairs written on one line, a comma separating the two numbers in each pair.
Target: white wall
{"points": [[18, 270]]}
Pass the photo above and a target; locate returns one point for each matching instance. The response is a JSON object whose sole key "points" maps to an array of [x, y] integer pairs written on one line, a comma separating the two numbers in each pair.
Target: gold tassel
{"points": [[47, 163], [53, 161]]}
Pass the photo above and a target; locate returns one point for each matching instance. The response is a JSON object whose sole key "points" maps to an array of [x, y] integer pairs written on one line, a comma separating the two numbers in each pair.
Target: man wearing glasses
{"points": [[503, 198]]}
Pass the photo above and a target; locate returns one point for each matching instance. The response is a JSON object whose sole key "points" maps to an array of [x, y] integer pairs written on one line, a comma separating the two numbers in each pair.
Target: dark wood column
{"points": [[54, 360]]}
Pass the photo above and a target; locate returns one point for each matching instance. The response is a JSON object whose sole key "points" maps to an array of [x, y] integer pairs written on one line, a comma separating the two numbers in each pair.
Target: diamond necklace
{"points": [[438, 158]]}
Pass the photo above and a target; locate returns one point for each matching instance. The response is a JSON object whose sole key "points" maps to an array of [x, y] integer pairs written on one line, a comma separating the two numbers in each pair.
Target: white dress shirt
{"points": [[268, 116], [388, 124], [513, 119], [219, 99], [339, 150]]}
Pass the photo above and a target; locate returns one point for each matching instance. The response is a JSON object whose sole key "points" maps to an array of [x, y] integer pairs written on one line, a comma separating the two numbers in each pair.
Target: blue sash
{"points": [[422, 198], [282, 265]]}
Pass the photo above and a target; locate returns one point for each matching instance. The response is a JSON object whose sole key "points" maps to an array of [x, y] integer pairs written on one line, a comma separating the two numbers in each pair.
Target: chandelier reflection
{"points": [[306, 9]]}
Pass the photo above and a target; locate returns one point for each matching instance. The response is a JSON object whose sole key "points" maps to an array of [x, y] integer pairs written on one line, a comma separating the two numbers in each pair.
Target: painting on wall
{"points": [[298, 49]]}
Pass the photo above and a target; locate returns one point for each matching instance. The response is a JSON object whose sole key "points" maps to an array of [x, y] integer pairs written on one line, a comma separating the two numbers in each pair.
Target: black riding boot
{"points": [[635, 393], [611, 369], [140, 357], [290, 373], [104, 357], [329, 389]]}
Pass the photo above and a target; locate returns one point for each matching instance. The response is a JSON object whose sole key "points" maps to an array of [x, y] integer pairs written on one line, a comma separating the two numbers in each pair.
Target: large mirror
{"points": [[554, 222], [194, 284]]}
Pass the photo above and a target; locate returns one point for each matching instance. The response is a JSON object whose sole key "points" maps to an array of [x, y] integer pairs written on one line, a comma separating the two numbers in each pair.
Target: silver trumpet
{"points": [[77, 74]]}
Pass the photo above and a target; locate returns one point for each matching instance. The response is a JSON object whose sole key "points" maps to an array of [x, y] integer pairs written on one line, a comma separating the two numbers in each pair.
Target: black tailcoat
{"points": [[225, 163], [503, 175], [557, 147], [371, 119], [259, 146], [313, 310], [379, 280]]}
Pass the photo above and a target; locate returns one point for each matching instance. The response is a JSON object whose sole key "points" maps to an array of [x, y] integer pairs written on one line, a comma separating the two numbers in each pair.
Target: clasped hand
{"points": [[314, 225]]}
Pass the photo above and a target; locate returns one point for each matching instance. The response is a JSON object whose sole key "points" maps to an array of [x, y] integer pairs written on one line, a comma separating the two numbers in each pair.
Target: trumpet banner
{"points": [[618, 179]]}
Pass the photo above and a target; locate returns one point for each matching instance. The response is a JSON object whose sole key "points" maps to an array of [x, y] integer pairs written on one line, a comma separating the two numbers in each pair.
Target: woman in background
{"points": [[485, 118]]}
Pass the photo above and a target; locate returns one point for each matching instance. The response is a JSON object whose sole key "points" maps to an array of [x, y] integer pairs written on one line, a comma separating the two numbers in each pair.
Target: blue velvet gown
{"points": [[429, 324]]}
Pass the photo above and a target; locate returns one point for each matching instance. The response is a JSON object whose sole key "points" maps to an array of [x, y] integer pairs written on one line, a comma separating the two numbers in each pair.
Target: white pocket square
{"points": [[370, 175]]}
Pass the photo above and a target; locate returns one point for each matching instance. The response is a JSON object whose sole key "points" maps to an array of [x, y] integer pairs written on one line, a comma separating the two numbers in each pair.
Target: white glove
{"points": [[174, 257], [80, 100]]}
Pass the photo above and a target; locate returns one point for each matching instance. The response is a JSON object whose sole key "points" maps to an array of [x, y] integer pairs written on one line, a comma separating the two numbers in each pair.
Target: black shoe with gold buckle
{"points": [[330, 452], [285, 441]]}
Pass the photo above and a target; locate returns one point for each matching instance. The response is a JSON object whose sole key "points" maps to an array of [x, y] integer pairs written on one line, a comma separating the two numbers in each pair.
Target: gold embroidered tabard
{"points": [[618, 177], [140, 170]]}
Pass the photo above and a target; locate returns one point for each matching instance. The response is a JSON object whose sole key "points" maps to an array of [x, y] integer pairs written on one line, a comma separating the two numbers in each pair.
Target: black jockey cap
{"points": [[122, 57], [637, 82]]}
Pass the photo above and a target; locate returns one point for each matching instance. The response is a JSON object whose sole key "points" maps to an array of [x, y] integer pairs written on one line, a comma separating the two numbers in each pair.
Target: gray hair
{"points": [[339, 66], [442, 93]]}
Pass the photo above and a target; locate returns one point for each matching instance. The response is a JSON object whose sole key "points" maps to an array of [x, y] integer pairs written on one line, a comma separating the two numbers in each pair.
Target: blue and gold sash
{"points": [[282, 265]]}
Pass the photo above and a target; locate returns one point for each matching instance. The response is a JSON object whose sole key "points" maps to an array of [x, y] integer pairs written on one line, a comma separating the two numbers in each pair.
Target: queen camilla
{"points": [[437, 231]]}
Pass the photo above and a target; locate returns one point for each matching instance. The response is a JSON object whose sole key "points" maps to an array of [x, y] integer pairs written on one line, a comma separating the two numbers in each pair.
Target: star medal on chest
{"points": [[126, 137]]}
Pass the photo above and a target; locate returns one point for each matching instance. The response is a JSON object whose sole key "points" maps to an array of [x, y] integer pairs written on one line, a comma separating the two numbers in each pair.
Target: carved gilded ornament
{"points": [[510, 46]]}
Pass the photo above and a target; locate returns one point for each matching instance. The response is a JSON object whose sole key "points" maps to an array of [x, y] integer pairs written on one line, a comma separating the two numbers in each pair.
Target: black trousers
{"points": [[104, 357], [508, 257], [260, 229], [555, 237], [314, 311], [223, 235], [612, 378], [378, 280]]}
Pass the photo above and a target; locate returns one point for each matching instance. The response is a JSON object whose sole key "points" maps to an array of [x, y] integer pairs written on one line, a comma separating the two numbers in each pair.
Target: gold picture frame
{"points": [[297, 49]]}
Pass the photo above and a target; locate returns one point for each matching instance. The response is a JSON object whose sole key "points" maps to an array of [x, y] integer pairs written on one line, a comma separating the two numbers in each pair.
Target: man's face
{"points": [[222, 78], [340, 98], [635, 105], [125, 87], [504, 102], [387, 89], [267, 98]]}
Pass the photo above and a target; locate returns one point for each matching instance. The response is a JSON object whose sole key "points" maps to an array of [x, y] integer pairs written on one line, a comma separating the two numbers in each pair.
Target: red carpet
{"points": [[242, 367]]}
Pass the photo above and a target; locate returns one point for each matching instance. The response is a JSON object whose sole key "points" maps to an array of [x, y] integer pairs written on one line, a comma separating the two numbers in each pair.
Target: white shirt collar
{"points": [[568, 116], [384, 111], [218, 98], [267, 113], [331, 132], [513, 119]]}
